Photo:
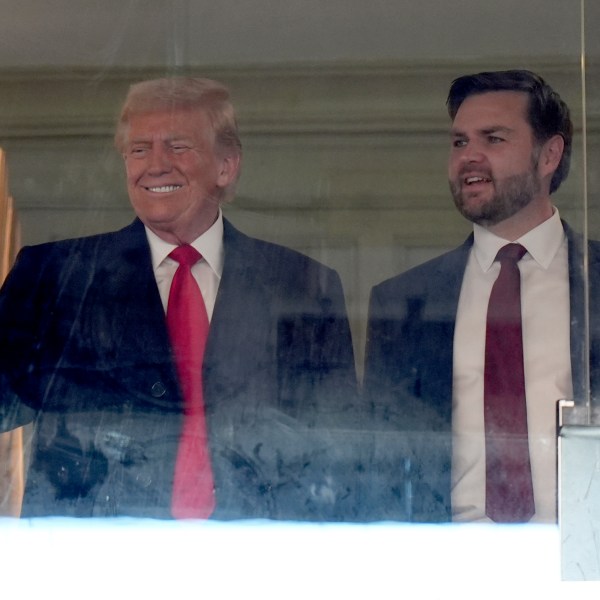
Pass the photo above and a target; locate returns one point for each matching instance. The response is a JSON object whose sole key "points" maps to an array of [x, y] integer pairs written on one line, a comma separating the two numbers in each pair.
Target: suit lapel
{"points": [[240, 327], [121, 320], [134, 310], [577, 294], [585, 332], [439, 320]]}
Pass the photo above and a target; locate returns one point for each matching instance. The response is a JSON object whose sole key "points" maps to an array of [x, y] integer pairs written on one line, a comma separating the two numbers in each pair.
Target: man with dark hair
{"points": [[177, 367], [547, 113], [469, 353]]}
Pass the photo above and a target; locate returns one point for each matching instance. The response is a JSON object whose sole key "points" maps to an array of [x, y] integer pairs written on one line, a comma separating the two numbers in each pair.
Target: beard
{"points": [[510, 196]]}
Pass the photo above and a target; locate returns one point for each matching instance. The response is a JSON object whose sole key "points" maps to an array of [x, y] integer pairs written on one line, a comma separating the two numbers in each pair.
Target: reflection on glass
{"points": [[345, 132]]}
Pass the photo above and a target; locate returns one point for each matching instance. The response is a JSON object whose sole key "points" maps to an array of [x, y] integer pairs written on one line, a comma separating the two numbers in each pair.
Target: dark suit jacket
{"points": [[408, 373], [85, 356]]}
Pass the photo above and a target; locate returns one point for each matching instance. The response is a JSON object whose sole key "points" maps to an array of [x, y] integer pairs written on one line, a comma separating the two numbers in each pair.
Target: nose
{"points": [[471, 153], [159, 161]]}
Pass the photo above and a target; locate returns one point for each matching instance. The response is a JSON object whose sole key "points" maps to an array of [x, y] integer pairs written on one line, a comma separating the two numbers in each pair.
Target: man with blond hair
{"points": [[177, 367]]}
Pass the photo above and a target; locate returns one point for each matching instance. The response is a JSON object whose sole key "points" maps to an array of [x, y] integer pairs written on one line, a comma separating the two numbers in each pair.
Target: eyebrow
{"points": [[167, 140], [485, 130]]}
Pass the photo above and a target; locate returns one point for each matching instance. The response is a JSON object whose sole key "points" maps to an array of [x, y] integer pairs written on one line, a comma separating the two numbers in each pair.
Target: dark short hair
{"points": [[547, 113]]}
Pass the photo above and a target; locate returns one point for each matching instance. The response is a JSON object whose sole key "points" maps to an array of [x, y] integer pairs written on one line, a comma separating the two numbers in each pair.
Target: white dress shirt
{"points": [[546, 348], [207, 271]]}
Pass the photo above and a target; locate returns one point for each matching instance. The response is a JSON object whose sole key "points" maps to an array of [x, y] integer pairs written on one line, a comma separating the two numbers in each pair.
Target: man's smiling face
{"points": [[175, 176]]}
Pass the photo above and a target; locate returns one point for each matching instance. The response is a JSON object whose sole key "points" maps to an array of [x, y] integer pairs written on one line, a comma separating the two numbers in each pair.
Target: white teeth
{"points": [[475, 179], [164, 189]]}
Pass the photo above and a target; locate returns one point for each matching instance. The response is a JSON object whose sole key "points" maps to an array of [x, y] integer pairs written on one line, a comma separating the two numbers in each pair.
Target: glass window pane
{"points": [[346, 145]]}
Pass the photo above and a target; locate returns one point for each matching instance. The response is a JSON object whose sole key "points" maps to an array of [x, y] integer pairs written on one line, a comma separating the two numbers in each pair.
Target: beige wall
{"points": [[232, 32], [343, 161]]}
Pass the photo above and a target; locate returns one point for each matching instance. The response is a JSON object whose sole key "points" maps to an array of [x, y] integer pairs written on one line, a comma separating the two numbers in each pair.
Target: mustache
{"points": [[470, 172]]}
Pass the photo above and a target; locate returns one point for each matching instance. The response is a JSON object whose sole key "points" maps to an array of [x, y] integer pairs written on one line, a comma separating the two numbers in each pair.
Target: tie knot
{"points": [[186, 255], [511, 252]]}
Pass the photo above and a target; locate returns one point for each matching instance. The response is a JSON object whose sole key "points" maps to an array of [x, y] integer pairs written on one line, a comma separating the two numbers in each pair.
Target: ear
{"points": [[229, 166], [550, 155]]}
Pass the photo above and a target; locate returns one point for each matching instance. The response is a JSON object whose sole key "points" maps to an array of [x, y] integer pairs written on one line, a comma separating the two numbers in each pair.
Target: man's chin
{"points": [[474, 209], [485, 218]]}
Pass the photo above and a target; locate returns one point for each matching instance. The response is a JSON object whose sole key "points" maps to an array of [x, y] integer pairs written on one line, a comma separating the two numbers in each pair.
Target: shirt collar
{"points": [[209, 244], [542, 242]]}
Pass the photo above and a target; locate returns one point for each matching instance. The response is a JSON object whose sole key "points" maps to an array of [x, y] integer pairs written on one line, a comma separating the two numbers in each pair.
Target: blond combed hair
{"points": [[184, 93]]}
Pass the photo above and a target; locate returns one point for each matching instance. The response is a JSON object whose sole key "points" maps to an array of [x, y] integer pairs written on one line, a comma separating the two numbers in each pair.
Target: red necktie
{"points": [[187, 322], [509, 488]]}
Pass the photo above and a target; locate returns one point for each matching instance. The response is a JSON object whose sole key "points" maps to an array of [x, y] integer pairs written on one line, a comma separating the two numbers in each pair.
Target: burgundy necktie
{"points": [[187, 322], [509, 488]]}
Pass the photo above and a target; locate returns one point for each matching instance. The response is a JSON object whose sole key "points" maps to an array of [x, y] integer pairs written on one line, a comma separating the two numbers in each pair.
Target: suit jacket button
{"points": [[158, 389]]}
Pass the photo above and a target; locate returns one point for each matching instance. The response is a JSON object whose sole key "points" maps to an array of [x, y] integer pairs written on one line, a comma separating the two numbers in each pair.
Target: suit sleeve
{"points": [[408, 386], [389, 374], [19, 337]]}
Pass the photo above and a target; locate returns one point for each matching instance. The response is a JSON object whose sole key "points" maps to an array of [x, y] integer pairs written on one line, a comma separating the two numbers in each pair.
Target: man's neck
{"points": [[528, 218]]}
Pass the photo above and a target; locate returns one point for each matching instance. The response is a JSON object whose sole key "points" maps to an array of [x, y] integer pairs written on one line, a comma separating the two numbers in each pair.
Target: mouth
{"points": [[472, 180], [163, 189]]}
